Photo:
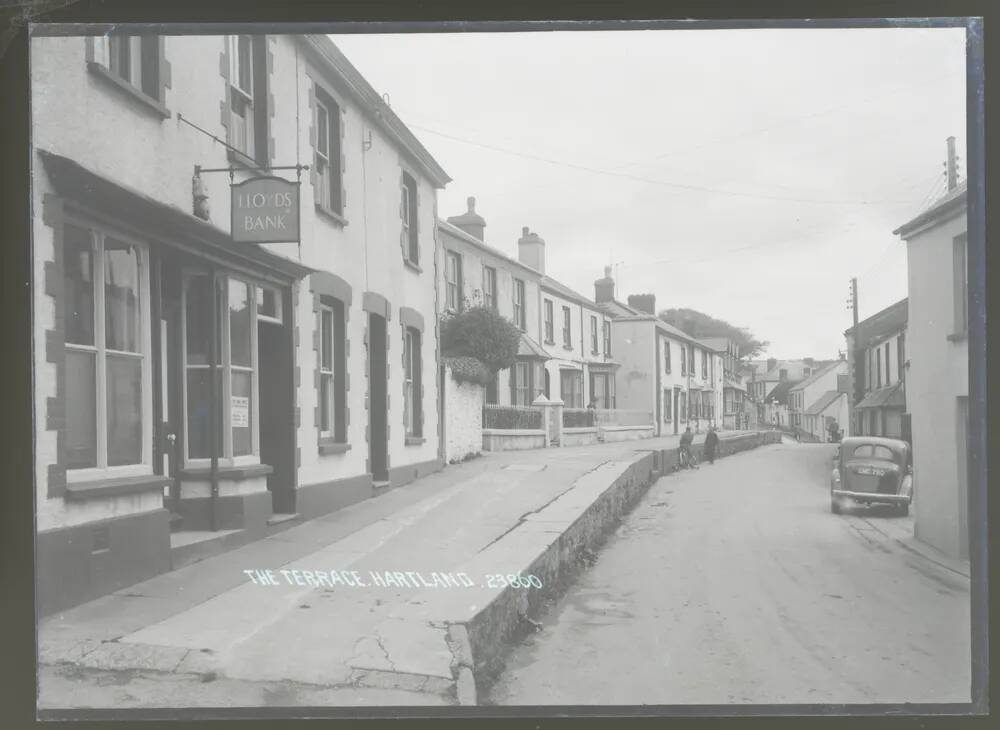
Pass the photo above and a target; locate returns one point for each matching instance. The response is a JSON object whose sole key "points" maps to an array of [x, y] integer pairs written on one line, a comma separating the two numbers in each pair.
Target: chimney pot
{"points": [[531, 250], [470, 221]]}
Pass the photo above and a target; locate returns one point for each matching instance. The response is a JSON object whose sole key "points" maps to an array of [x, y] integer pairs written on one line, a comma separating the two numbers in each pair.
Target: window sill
{"points": [[568, 348], [958, 336], [332, 215], [415, 440], [148, 102], [228, 472], [413, 266], [549, 342], [328, 446], [116, 487]]}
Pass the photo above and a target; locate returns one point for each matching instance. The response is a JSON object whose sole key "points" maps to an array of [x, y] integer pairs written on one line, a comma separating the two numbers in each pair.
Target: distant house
{"points": [[471, 271], [661, 366], [829, 410], [877, 348], [775, 408], [937, 381], [734, 392], [811, 391]]}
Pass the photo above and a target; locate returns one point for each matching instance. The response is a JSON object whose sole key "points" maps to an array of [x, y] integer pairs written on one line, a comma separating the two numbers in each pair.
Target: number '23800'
{"points": [[513, 580]]}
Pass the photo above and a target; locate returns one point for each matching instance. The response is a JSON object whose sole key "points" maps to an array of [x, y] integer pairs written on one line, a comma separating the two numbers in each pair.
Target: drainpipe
{"points": [[215, 406]]}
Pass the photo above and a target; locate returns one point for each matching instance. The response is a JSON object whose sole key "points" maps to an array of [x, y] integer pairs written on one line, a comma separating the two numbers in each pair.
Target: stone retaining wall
{"points": [[562, 557]]}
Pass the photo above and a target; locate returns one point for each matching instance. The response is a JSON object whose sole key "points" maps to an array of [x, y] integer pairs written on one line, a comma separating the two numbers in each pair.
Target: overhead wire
{"points": [[664, 183]]}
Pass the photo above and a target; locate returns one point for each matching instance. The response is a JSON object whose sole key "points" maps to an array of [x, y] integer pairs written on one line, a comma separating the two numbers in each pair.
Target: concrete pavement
{"points": [[449, 543], [736, 585]]}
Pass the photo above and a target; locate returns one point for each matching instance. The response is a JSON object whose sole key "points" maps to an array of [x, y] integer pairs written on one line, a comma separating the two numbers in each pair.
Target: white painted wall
{"points": [[474, 258], [938, 376], [157, 157], [464, 418]]}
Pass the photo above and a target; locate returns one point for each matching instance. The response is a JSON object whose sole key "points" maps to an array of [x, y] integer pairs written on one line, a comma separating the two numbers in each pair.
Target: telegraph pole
{"points": [[853, 301], [856, 378], [951, 166]]}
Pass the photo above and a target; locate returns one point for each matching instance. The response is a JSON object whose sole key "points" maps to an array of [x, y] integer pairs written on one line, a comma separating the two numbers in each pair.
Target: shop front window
{"points": [[236, 373], [108, 401]]}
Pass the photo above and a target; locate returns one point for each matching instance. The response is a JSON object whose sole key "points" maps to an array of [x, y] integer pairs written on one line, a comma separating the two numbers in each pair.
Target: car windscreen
{"points": [[873, 451]]}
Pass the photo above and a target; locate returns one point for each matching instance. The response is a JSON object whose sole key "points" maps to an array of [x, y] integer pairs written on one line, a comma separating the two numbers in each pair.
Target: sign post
{"points": [[265, 210]]}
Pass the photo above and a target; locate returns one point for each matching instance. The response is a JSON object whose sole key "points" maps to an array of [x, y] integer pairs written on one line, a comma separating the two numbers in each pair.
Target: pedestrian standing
{"points": [[711, 442]]}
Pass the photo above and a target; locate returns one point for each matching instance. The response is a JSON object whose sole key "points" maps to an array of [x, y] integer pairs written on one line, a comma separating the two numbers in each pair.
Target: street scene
{"points": [[800, 609], [476, 370]]}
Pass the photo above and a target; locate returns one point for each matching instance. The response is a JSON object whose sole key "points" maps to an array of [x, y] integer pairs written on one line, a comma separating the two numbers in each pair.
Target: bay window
{"points": [[237, 429], [332, 381], [133, 60], [490, 288], [328, 155], [107, 354], [519, 313], [412, 406], [453, 281], [247, 123]]}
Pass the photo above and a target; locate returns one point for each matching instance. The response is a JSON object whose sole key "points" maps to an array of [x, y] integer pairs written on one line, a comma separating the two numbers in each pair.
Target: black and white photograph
{"points": [[464, 369]]}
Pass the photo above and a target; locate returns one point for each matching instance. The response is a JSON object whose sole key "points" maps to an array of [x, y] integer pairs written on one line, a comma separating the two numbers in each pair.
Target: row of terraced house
{"points": [[191, 391]]}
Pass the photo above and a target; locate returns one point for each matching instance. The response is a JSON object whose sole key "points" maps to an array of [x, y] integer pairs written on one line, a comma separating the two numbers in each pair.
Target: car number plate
{"points": [[870, 470]]}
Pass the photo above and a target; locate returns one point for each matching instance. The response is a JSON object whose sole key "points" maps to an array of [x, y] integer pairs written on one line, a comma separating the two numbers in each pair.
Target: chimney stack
{"points": [[604, 289], [643, 302], [531, 250], [952, 166], [470, 221]]}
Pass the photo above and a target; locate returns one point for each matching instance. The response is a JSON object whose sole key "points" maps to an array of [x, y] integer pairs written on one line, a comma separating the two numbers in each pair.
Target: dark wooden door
{"points": [[378, 437]]}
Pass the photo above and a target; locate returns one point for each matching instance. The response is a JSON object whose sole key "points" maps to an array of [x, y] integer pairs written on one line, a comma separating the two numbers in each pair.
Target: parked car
{"points": [[872, 470]]}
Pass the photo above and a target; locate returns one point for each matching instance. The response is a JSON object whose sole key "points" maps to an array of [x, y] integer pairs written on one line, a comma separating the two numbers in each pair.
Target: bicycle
{"points": [[687, 460]]}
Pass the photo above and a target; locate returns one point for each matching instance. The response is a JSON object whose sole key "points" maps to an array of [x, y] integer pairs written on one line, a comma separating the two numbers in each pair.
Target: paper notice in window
{"points": [[239, 412]]}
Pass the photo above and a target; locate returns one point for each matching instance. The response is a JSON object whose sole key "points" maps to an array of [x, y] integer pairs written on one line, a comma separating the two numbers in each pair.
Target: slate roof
{"points": [[952, 202], [823, 402], [891, 319], [614, 308], [371, 100], [719, 344], [547, 282], [716, 344], [457, 232], [528, 348], [817, 375], [891, 396], [780, 392]]}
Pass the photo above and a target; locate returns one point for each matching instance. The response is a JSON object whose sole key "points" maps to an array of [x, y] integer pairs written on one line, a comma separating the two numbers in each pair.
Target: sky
{"points": [[745, 173]]}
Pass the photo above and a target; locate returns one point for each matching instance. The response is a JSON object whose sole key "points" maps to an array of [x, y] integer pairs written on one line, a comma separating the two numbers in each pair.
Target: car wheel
{"points": [[835, 506]]}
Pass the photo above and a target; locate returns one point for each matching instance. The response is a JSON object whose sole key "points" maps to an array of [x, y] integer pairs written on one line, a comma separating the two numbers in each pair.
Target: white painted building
{"points": [[472, 272], [813, 389], [937, 381], [325, 383]]}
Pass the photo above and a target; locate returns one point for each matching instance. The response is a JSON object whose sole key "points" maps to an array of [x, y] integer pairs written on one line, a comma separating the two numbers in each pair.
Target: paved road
{"points": [[735, 584]]}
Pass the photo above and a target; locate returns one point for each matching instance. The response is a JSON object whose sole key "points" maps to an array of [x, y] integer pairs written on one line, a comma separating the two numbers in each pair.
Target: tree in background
{"points": [[700, 325]]}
